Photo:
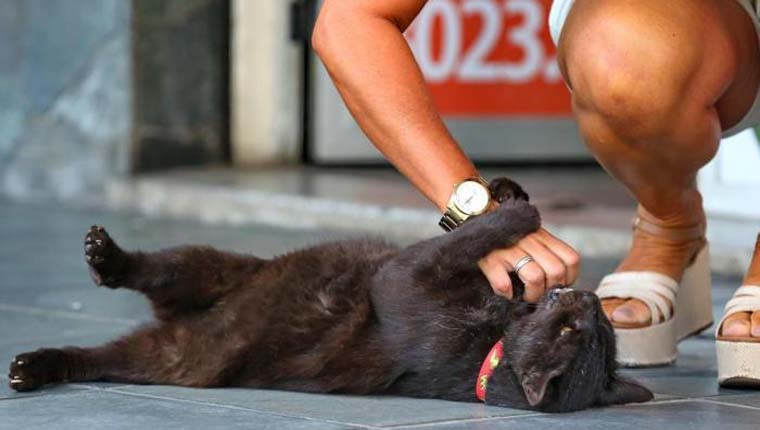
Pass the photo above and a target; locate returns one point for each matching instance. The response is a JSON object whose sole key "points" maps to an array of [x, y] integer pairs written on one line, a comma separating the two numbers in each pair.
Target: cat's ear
{"points": [[534, 385], [620, 391]]}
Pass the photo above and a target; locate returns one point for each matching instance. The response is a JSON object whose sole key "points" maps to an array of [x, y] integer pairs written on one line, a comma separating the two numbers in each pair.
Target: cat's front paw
{"points": [[31, 370], [521, 216], [103, 256], [503, 189]]}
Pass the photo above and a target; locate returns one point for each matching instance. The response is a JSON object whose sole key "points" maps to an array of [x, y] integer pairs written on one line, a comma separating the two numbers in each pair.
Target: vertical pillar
{"points": [[266, 84]]}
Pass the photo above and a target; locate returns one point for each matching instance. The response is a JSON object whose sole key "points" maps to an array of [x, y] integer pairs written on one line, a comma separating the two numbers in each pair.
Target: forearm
{"points": [[383, 87]]}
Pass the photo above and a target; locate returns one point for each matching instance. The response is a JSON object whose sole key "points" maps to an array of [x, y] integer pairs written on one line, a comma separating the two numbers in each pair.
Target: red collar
{"points": [[486, 370]]}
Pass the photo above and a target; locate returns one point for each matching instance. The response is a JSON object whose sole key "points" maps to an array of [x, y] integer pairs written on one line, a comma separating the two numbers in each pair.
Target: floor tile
{"points": [[696, 357], [686, 386], [86, 300], [696, 354], [371, 411], [105, 410], [16, 326], [687, 415]]}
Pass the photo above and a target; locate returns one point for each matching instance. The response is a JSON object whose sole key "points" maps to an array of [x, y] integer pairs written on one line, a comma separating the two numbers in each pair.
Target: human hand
{"points": [[555, 263]]}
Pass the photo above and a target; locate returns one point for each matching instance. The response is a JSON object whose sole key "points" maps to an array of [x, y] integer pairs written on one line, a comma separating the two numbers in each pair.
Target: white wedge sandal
{"points": [[678, 311], [739, 358]]}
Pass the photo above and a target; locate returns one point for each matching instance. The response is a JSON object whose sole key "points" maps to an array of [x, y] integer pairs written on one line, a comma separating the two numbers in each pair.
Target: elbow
{"points": [[337, 21], [328, 23], [317, 38]]}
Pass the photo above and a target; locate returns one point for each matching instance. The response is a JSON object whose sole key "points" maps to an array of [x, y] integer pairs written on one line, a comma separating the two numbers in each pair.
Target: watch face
{"points": [[471, 197]]}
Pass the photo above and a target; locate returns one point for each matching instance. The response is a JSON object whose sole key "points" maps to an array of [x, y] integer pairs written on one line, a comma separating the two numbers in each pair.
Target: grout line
{"points": [[116, 390], [669, 398], [96, 388], [717, 402], [466, 420], [657, 402], [323, 420], [65, 314]]}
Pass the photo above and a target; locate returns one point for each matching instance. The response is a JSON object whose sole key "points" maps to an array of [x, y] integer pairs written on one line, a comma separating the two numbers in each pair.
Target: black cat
{"points": [[353, 317]]}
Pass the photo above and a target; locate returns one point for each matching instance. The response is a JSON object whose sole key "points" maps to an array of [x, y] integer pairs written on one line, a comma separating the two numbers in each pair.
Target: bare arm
{"points": [[362, 45]]}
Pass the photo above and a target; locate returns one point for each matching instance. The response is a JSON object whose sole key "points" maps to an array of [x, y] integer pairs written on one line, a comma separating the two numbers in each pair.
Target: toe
{"points": [[737, 325], [755, 324], [609, 306], [633, 312]]}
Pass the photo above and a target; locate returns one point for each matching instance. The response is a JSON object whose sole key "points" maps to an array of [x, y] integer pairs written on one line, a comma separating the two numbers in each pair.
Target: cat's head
{"points": [[561, 357]]}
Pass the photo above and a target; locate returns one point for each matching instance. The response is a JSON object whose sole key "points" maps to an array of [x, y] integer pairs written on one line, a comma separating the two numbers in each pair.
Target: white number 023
{"points": [[473, 66]]}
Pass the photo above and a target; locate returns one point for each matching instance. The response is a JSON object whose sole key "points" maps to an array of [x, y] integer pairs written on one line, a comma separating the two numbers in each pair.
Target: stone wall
{"points": [[180, 54], [64, 95], [96, 89]]}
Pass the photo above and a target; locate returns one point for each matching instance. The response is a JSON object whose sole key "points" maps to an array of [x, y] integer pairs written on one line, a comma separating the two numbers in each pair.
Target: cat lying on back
{"points": [[355, 317]]}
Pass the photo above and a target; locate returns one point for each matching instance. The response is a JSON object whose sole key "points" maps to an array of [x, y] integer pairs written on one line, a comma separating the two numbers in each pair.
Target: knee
{"points": [[634, 73]]}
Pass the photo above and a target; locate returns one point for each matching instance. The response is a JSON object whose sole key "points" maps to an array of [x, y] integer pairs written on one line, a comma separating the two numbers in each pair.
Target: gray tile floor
{"points": [[46, 299]]}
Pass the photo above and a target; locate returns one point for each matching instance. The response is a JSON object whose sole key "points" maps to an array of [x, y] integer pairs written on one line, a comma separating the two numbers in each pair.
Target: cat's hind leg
{"points": [[34, 369], [161, 354], [177, 280]]}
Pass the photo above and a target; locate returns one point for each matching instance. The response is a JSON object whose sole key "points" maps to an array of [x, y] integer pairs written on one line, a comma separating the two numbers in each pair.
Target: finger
{"points": [[553, 267], [531, 274], [495, 270], [565, 252]]}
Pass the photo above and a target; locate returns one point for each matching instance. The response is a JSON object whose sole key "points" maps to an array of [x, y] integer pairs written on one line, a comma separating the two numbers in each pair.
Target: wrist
{"points": [[447, 185], [469, 198]]}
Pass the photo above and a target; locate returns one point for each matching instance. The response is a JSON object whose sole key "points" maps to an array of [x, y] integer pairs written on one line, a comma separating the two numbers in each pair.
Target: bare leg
{"points": [[654, 83], [176, 280]]}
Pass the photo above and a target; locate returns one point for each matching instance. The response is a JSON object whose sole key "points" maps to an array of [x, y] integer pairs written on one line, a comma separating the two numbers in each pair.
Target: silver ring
{"points": [[522, 262]]}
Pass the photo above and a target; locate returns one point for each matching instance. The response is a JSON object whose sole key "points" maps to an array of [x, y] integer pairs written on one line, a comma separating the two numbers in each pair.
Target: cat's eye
{"points": [[564, 331]]}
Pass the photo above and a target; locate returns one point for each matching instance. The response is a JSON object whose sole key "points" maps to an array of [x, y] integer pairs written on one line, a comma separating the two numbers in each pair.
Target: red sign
{"points": [[489, 58]]}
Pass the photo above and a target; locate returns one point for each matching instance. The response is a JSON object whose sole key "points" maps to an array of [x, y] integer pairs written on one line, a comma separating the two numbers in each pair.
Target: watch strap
{"points": [[447, 222]]}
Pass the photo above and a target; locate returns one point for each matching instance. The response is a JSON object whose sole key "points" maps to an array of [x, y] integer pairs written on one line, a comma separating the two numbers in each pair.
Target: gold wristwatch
{"points": [[471, 197]]}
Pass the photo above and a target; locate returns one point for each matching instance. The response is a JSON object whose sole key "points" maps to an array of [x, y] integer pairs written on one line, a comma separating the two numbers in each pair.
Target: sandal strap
{"points": [[673, 233], [745, 299], [656, 290]]}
